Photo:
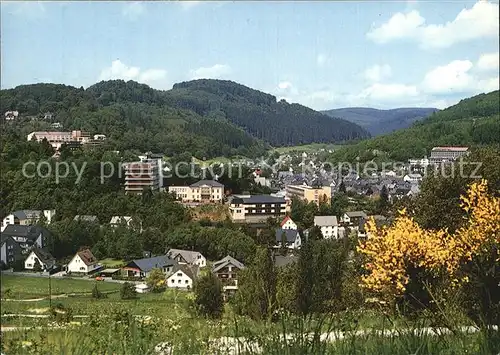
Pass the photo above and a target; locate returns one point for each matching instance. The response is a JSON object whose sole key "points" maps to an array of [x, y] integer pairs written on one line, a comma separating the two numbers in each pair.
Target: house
{"points": [[293, 238], [46, 260], [27, 217], [56, 125], [353, 218], [187, 257], [288, 223], [86, 218], [84, 262], [121, 220], [256, 208], [10, 251], [329, 226], [27, 237], [183, 277], [11, 115], [412, 178], [227, 268], [142, 267], [201, 191]]}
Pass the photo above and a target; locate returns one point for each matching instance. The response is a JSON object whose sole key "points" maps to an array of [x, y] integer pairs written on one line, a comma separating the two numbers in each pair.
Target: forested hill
{"points": [[206, 118], [278, 123], [379, 122], [472, 122]]}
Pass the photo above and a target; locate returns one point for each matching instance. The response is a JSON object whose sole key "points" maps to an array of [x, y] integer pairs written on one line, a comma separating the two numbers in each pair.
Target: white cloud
{"points": [[489, 62], [388, 92], [461, 76], [285, 85], [480, 21], [378, 73], [133, 10], [216, 71], [119, 70], [186, 4]]}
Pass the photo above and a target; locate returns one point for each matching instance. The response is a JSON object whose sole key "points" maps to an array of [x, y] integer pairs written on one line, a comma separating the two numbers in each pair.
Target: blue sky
{"points": [[320, 54]]}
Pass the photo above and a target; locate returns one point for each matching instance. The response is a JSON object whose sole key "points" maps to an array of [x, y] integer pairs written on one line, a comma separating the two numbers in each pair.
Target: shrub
{"points": [[208, 296], [96, 293], [128, 291]]}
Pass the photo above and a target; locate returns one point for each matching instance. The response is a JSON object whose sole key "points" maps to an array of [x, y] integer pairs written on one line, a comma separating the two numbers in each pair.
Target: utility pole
{"points": [[50, 292]]}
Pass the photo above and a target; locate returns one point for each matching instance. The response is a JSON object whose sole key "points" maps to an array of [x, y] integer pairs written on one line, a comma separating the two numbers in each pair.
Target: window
{"points": [[179, 274], [187, 281], [173, 281], [82, 268], [179, 281]]}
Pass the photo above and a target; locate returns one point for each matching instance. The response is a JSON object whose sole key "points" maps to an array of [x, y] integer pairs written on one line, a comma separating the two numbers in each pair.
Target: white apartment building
{"points": [[329, 226], [201, 191], [140, 175], [57, 139], [447, 154]]}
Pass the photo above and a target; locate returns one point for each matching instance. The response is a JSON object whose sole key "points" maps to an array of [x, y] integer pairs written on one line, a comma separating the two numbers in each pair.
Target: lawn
{"points": [[112, 263], [25, 287]]}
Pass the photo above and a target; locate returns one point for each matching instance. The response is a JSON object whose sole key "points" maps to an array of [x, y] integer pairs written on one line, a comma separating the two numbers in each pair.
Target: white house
{"points": [[329, 226], [182, 277], [83, 262], [45, 259], [354, 218], [27, 217], [118, 220], [293, 238], [288, 223], [187, 257], [413, 178]]}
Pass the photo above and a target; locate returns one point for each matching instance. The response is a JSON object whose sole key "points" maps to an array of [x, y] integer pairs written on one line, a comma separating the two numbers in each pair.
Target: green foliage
{"points": [[127, 291], [96, 293], [37, 267], [208, 296], [471, 122], [156, 280]]}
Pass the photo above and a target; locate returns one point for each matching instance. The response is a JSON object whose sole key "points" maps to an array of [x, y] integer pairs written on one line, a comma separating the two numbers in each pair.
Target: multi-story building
{"points": [[74, 138], [201, 191], [141, 175], [308, 193], [447, 154], [256, 208]]}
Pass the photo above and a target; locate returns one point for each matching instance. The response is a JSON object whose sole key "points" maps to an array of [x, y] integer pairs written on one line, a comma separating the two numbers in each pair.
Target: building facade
{"points": [[57, 139], [204, 191], [308, 193], [256, 208], [140, 175], [447, 154]]}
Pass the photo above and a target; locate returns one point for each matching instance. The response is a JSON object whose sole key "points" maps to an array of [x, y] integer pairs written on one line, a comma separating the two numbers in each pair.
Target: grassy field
{"points": [[26, 287], [112, 263]]}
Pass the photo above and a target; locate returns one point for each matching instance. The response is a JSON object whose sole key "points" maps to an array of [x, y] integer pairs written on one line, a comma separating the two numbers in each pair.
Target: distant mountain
{"points": [[258, 113], [473, 121], [205, 118], [379, 122]]}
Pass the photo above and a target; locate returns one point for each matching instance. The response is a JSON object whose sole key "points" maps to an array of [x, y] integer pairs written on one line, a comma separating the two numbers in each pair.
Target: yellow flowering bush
{"points": [[390, 251]]}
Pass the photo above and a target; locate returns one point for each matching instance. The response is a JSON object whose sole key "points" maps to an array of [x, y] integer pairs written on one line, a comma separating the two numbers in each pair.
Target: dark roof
{"points": [[43, 255], [30, 232], [27, 214], [4, 238], [147, 264], [190, 270], [354, 214], [291, 234], [212, 183], [228, 260], [258, 199], [280, 260], [87, 257]]}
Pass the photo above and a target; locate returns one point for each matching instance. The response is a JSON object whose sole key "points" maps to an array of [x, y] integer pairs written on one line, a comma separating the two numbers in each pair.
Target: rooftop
{"points": [[325, 221], [212, 183], [255, 199], [454, 149]]}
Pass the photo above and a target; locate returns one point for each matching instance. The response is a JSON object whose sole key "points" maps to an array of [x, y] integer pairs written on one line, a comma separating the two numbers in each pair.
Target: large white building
{"points": [[201, 191], [447, 154], [57, 139], [140, 175], [329, 226], [256, 208]]}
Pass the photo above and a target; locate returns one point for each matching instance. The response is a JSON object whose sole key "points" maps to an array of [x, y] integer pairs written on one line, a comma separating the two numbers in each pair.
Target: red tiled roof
{"points": [[87, 257], [286, 219]]}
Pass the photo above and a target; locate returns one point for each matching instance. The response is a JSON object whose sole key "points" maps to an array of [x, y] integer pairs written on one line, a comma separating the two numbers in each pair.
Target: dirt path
{"points": [[64, 295]]}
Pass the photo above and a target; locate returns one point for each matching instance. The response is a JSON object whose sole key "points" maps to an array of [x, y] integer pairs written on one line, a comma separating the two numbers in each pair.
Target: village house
{"points": [[187, 257], [292, 238], [353, 218], [183, 277], [11, 115], [227, 270], [84, 262], [329, 226], [288, 223], [204, 191], [142, 267], [27, 237], [86, 218], [10, 251], [117, 221], [27, 217], [412, 178], [45, 259]]}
